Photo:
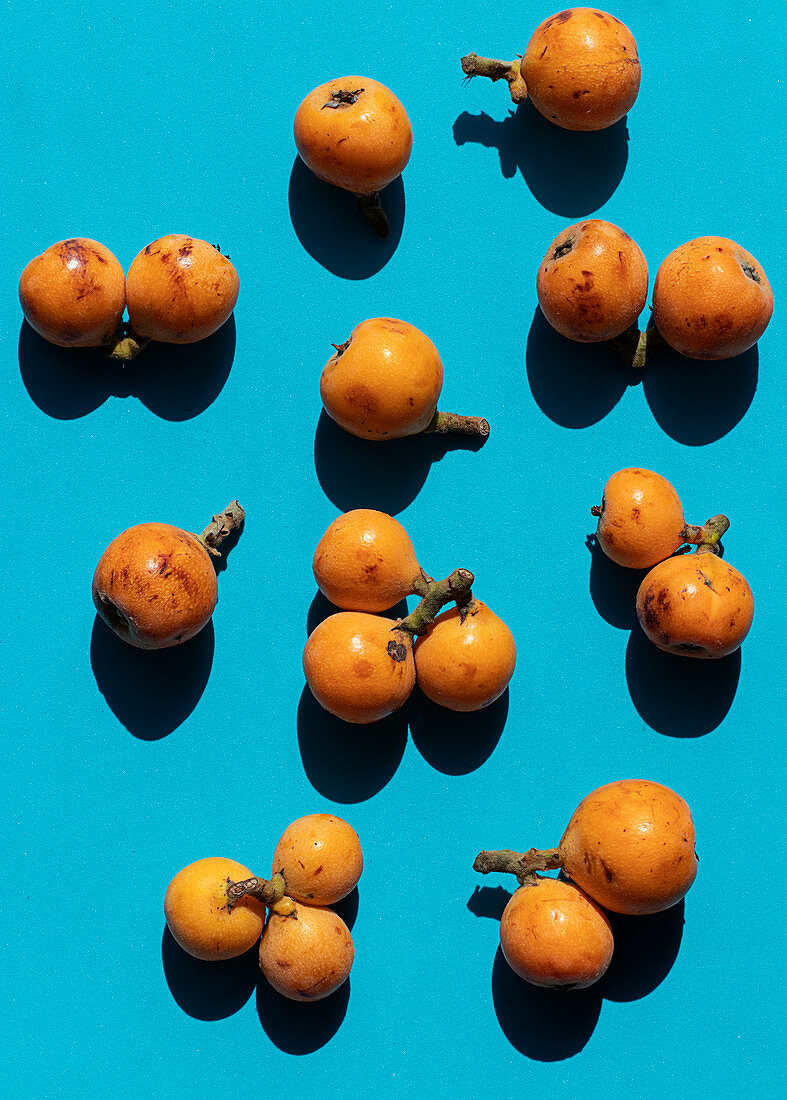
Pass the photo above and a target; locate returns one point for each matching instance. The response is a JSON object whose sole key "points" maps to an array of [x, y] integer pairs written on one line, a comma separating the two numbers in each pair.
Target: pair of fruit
{"points": [[711, 299], [178, 290], [362, 667], [155, 585], [691, 605], [216, 909], [628, 847], [384, 382]]}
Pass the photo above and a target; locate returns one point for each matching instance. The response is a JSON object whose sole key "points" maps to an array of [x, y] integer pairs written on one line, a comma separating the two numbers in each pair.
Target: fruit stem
{"points": [[125, 345], [371, 208], [267, 891], [455, 424], [421, 583], [455, 587], [707, 538], [521, 864], [633, 345], [510, 71], [221, 526]]}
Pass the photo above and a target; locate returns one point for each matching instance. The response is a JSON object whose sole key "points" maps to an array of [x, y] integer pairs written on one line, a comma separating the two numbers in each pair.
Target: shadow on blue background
{"points": [[452, 742], [568, 172], [333, 231], [175, 381], [208, 990], [299, 1027]]}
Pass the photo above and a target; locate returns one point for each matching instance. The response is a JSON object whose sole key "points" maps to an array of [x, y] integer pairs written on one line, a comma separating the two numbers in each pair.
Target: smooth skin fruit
{"points": [[640, 520], [711, 299], [580, 69], [696, 605], [180, 290], [592, 284], [466, 659], [307, 954], [203, 920], [74, 294], [320, 858], [365, 561], [554, 936]]}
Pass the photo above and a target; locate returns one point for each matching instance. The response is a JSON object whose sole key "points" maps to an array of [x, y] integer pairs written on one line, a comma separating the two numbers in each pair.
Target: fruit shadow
{"points": [[452, 742], [613, 588], [334, 232], [150, 692], [300, 1027], [175, 381], [208, 990], [550, 1025], [569, 172], [360, 473]]}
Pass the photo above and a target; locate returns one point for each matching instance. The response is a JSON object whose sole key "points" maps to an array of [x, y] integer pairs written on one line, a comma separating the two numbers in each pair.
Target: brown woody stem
{"points": [[421, 583], [372, 209], [267, 891], [707, 537], [221, 526], [521, 864], [510, 71], [456, 587], [455, 424]]}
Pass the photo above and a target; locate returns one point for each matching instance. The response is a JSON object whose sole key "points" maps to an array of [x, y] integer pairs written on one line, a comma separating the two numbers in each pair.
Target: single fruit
{"points": [[358, 666], [320, 859], [695, 605], [711, 299], [640, 520], [199, 916], [630, 846], [74, 293], [365, 561], [180, 290], [592, 284], [466, 659], [553, 935], [308, 954]]}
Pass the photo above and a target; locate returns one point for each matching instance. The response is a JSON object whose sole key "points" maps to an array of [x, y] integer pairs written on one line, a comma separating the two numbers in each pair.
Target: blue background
{"points": [[121, 767]]}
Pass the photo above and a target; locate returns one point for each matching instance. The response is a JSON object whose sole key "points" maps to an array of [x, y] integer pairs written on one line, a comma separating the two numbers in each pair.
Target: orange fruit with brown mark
{"points": [[696, 605], [592, 284], [711, 299], [358, 666], [354, 133], [630, 846], [553, 935], [365, 561], [198, 916], [320, 858], [466, 659], [308, 954], [581, 69], [74, 293], [179, 290], [155, 586], [384, 381], [640, 518]]}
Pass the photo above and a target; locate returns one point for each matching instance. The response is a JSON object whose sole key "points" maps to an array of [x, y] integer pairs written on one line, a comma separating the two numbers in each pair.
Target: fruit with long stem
{"points": [[320, 858]]}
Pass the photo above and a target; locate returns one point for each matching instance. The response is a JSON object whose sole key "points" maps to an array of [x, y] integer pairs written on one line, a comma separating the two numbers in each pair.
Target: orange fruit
{"points": [[180, 290], [593, 282], [553, 935], [74, 293], [695, 605], [307, 955], [711, 299], [640, 519], [195, 906], [155, 586], [320, 858]]}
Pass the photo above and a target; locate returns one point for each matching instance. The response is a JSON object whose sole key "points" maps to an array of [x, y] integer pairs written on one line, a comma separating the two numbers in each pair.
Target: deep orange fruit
{"points": [[320, 858], [308, 954], [74, 293], [199, 916], [640, 518]]}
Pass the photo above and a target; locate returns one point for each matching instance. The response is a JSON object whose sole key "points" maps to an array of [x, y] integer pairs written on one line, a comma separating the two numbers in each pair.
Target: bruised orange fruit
{"points": [[711, 299], [320, 858], [74, 293], [307, 954], [179, 290], [200, 916]]}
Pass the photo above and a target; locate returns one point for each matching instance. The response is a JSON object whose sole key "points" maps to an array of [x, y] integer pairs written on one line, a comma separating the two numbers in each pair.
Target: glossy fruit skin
{"points": [[385, 381], [465, 661], [365, 561], [357, 668], [641, 521], [320, 857], [711, 299], [554, 936], [695, 605], [360, 146], [195, 906], [155, 586], [592, 284], [180, 289], [630, 846], [308, 956], [581, 69], [74, 293]]}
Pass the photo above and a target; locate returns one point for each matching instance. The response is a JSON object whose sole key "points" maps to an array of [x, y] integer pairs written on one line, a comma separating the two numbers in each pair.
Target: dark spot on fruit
{"points": [[363, 669], [543, 52], [577, 95], [371, 568], [363, 400], [609, 875], [397, 650], [751, 272], [283, 964], [317, 870], [635, 515], [185, 250], [563, 248]]}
